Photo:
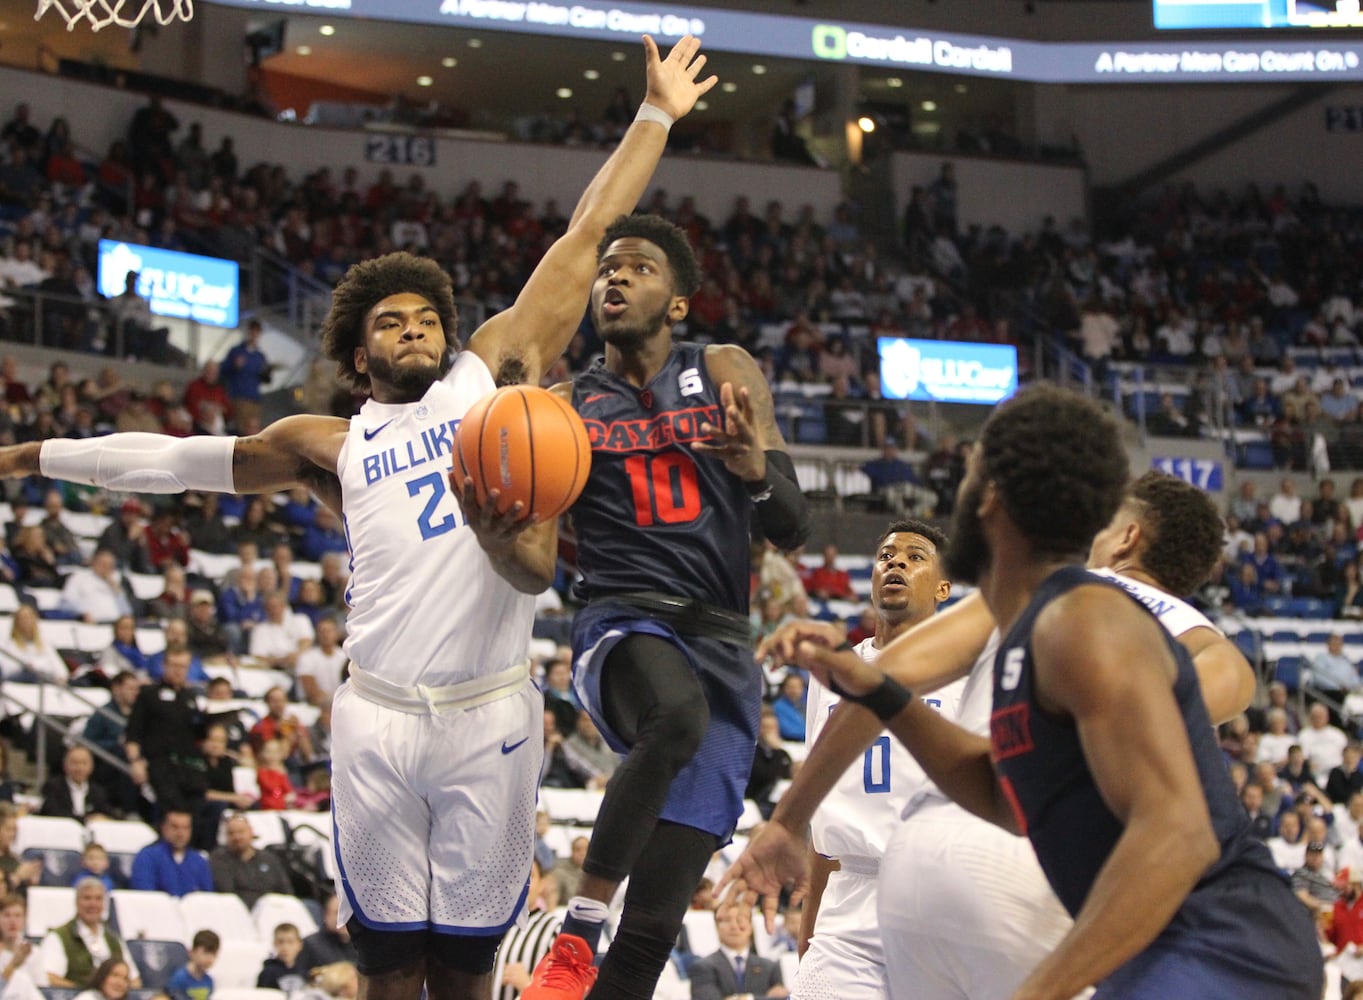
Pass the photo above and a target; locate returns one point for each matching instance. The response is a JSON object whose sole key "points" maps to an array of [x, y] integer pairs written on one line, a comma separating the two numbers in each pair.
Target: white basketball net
{"points": [[102, 13]]}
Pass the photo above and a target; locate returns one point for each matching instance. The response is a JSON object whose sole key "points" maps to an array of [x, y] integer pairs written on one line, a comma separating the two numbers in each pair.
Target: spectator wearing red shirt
{"points": [[207, 401], [1347, 927], [166, 541], [827, 582]]}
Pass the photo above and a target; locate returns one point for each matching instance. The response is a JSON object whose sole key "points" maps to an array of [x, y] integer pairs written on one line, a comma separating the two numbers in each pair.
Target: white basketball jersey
{"points": [[1175, 615], [862, 810], [426, 605]]}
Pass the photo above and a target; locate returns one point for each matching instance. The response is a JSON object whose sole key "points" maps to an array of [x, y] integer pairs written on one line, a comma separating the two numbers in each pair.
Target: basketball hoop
{"points": [[102, 13]]}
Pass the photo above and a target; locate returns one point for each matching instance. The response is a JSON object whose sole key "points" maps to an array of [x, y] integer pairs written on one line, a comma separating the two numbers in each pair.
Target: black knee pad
{"points": [[473, 954], [676, 733], [380, 952]]}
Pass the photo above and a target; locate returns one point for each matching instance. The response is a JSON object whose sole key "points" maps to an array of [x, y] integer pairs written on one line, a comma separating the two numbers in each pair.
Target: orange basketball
{"points": [[528, 444]]}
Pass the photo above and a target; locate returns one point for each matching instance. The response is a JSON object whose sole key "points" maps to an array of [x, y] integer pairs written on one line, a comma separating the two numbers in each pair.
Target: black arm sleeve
{"points": [[779, 505]]}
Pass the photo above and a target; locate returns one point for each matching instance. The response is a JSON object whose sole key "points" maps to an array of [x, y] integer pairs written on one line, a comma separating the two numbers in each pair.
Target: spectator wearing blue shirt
{"points": [[789, 707], [177, 636], [322, 536], [241, 607], [1266, 566], [192, 981], [1332, 671], [170, 865], [243, 371]]}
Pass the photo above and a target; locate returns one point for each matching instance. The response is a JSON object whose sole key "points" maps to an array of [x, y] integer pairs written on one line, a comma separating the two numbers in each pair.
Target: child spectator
{"points": [[192, 982], [276, 790], [284, 970], [95, 864]]}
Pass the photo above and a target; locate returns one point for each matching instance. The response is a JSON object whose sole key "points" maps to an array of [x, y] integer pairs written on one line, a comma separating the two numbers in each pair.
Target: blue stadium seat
{"points": [[1317, 637], [157, 960], [1285, 635], [1249, 643], [1353, 638], [1276, 605], [1254, 455], [1310, 607], [1288, 671], [59, 866]]}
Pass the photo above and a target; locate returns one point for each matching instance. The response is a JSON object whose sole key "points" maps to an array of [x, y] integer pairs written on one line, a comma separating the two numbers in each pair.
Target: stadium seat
{"points": [[1285, 635], [141, 913], [1287, 670], [1311, 607], [702, 937], [273, 909], [268, 826], [52, 832], [48, 907], [157, 961], [571, 805], [221, 912], [1276, 605], [58, 993], [59, 866], [238, 965], [124, 836]]}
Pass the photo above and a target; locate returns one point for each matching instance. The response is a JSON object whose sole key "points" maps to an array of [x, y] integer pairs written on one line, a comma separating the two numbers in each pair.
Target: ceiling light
{"points": [[449, 62], [304, 50], [591, 74], [929, 105], [564, 92], [702, 105], [475, 43], [867, 124], [728, 86], [758, 69], [618, 57], [961, 88], [424, 81], [894, 81], [327, 29]]}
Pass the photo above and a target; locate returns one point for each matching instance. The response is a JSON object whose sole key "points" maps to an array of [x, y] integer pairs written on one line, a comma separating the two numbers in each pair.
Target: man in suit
{"points": [[71, 794], [735, 972]]}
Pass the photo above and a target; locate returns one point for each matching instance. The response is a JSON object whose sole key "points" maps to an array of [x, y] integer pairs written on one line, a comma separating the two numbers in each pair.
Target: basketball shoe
{"points": [[566, 973]]}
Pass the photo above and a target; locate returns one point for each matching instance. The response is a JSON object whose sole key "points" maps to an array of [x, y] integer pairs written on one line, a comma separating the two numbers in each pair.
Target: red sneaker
{"points": [[566, 973]]}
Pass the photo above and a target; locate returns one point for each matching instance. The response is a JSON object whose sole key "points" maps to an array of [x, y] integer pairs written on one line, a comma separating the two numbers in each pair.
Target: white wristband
{"points": [[653, 113], [137, 462]]}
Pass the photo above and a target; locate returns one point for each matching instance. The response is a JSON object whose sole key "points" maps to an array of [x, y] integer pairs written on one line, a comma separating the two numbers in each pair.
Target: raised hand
{"points": [[783, 643], [672, 84], [775, 858], [735, 444], [496, 531]]}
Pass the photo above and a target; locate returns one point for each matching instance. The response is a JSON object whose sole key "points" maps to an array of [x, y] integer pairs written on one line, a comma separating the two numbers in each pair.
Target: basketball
{"points": [[528, 444]]}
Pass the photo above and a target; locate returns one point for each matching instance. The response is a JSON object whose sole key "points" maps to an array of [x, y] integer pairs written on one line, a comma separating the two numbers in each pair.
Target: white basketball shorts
{"points": [[434, 814], [964, 910], [844, 960]]}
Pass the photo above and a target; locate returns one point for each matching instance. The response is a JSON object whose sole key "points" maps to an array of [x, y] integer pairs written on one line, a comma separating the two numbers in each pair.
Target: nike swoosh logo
{"points": [[508, 749], [594, 398], [370, 435]]}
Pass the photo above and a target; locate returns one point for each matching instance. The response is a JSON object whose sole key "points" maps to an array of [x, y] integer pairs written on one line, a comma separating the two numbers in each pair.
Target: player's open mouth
{"points": [[893, 580], [613, 303]]}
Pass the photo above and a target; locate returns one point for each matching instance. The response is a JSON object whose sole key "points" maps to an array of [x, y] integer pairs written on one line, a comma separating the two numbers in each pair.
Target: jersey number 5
{"points": [[665, 488]]}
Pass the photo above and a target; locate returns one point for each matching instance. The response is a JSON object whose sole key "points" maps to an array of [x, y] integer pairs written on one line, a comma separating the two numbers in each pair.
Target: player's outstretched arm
{"points": [[295, 451], [520, 343], [1105, 664], [931, 654]]}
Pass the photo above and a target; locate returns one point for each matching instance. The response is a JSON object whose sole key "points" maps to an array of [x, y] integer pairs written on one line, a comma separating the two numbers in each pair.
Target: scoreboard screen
{"points": [[1258, 14]]}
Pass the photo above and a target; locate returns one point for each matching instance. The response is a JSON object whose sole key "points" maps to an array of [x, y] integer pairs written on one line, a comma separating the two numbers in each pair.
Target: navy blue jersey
{"points": [[1041, 763], [656, 516]]}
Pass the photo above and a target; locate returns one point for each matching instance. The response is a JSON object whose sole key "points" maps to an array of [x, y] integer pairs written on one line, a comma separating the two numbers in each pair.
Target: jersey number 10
{"points": [[665, 488]]}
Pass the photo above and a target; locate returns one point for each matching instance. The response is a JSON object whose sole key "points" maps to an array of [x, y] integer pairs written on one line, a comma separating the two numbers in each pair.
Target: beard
{"points": [[632, 329], [967, 554], [409, 382]]}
